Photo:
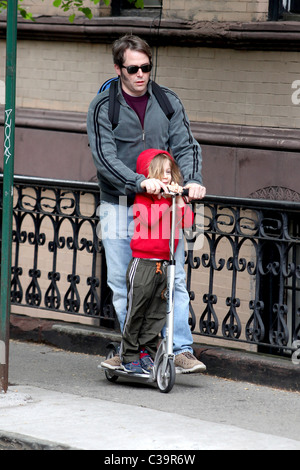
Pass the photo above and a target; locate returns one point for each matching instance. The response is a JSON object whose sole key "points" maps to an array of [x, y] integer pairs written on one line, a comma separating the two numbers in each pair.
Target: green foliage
{"points": [[25, 14], [137, 3], [67, 5]]}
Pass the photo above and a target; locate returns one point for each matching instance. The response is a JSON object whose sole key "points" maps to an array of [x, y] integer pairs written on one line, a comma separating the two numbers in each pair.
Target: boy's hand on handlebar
{"points": [[175, 188]]}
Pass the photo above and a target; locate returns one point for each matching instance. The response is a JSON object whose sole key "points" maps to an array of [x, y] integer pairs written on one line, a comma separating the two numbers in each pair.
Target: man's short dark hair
{"points": [[131, 42]]}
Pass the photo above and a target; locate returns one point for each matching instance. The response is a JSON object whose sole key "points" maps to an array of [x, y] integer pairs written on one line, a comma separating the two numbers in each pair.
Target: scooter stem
{"points": [[171, 284]]}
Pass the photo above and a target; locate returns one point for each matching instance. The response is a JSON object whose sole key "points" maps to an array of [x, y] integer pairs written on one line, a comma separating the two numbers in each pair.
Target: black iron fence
{"points": [[57, 261], [255, 244], [243, 262]]}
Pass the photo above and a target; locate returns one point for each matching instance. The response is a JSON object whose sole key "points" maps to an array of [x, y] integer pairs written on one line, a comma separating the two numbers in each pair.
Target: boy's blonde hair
{"points": [[156, 168]]}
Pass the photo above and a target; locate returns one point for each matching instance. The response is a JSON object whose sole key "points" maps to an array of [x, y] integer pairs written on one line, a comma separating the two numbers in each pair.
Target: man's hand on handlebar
{"points": [[154, 186], [196, 191]]}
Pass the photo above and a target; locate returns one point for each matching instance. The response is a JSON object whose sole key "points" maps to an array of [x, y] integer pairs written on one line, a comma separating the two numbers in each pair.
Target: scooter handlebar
{"points": [[185, 192]]}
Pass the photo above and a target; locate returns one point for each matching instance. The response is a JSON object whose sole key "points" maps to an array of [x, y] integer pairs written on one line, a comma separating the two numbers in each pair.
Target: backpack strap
{"points": [[162, 100], [114, 104]]}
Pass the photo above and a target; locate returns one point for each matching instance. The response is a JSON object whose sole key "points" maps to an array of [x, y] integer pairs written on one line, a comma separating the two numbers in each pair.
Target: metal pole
{"points": [[8, 171]]}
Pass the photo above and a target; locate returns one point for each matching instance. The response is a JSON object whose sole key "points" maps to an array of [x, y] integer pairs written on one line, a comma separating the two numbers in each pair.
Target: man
{"points": [[142, 125]]}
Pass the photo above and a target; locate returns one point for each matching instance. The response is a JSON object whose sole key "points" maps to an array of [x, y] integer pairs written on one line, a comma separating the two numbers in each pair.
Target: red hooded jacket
{"points": [[152, 218]]}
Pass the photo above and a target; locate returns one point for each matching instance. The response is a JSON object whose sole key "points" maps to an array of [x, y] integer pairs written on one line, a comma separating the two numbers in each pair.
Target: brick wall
{"points": [[215, 85], [61, 76], [234, 87], [217, 10]]}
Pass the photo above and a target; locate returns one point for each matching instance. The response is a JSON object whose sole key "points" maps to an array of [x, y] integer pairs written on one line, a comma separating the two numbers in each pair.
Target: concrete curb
{"points": [[256, 368], [15, 441], [228, 363]]}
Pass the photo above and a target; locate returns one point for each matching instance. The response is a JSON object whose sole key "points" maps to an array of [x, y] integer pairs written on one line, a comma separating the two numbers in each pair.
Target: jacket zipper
{"points": [[143, 130]]}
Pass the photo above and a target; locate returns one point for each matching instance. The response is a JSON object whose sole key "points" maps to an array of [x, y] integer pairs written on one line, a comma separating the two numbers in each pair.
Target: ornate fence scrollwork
{"points": [[58, 221], [255, 246]]}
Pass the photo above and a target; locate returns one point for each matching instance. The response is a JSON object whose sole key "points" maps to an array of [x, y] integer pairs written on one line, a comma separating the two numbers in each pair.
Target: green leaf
{"points": [[57, 3], [137, 3], [3, 5], [87, 12], [25, 14], [22, 12], [72, 18]]}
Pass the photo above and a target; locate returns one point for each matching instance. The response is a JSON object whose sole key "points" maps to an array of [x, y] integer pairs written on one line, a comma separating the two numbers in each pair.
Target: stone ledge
{"points": [[69, 336], [272, 371], [265, 35]]}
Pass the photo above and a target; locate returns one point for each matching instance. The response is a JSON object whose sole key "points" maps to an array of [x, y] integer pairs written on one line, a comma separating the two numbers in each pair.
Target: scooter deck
{"points": [[147, 378]]}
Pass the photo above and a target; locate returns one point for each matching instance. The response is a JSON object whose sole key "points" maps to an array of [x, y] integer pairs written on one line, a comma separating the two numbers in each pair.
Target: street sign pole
{"points": [[7, 200]]}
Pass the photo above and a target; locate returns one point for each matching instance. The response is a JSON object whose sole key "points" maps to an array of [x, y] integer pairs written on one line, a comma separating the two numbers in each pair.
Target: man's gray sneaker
{"points": [[112, 363]]}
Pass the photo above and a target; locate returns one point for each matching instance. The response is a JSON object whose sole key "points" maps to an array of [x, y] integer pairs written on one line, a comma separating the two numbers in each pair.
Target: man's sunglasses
{"points": [[132, 69]]}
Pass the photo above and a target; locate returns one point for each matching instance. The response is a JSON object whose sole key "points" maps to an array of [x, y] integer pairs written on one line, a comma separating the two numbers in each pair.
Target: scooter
{"points": [[163, 371]]}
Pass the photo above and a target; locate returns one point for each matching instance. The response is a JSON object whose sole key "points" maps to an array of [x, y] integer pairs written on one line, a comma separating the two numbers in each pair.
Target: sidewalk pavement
{"points": [[50, 419], [273, 371]]}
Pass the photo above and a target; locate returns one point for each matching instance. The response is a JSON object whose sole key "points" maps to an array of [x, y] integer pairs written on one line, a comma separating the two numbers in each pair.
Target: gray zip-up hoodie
{"points": [[115, 152]]}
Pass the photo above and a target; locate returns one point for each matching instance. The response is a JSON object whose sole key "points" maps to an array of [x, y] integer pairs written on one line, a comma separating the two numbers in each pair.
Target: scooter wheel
{"points": [[166, 381], [109, 374]]}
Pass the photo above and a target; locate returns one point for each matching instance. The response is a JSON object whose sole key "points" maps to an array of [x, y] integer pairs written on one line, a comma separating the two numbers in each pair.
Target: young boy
{"points": [[147, 271]]}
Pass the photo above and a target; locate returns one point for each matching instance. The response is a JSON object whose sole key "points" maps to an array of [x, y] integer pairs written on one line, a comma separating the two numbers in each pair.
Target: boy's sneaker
{"points": [[186, 363], [146, 361], [113, 363], [133, 367]]}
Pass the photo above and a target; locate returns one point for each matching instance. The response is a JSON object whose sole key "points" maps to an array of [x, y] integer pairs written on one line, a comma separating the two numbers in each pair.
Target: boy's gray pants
{"points": [[146, 307]]}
